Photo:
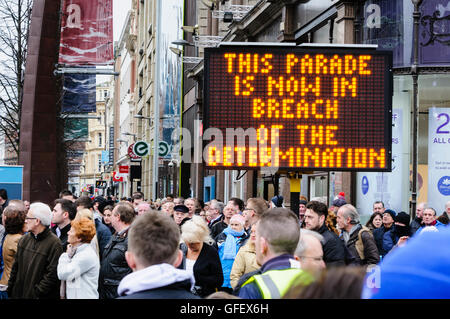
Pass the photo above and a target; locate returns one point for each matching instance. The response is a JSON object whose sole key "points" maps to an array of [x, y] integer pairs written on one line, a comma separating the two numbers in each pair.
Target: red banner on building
{"points": [[86, 32]]}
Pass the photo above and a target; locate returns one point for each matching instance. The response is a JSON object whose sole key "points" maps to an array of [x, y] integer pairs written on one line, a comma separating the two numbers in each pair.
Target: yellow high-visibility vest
{"points": [[274, 284]]}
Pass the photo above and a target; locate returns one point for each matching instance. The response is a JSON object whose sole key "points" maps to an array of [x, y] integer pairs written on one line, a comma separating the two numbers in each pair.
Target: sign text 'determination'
{"points": [[298, 108]]}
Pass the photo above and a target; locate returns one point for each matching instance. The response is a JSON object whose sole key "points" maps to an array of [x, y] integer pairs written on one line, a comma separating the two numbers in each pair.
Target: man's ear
{"points": [[322, 219], [130, 260], [178, 259], [263, 245]]}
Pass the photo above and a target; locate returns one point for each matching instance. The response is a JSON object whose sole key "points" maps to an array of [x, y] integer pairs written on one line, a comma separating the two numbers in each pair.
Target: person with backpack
{"points": [[357, 238]]}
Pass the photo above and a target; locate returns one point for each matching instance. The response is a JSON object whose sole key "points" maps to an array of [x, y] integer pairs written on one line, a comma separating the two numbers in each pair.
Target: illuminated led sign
{"points": [[297, 108]]}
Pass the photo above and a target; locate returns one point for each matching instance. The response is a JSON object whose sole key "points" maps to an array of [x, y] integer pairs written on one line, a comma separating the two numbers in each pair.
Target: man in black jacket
{"points": [[153, 254], [113, 264], [417, 222], [34, 272], [333, 248], [64, 212]]}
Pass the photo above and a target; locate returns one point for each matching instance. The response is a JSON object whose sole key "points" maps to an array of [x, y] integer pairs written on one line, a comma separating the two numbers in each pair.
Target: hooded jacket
{"points": [[34, 274], [161, 281]]}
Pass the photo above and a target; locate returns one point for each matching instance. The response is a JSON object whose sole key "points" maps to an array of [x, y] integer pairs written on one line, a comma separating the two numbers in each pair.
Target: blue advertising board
{"points": [[11, 179]]}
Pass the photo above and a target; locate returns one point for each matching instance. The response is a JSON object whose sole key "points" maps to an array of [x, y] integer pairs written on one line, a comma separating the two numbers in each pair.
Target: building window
{"points": [[99, 163], [100, 140]]}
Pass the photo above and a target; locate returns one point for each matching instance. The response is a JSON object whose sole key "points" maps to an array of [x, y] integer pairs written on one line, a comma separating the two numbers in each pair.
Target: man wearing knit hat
{"points": [[381, 234], [400, 230], [338, 201]]}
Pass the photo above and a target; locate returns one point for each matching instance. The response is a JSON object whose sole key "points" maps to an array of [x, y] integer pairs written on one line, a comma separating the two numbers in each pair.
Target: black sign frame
{"points": [[299, 50]]}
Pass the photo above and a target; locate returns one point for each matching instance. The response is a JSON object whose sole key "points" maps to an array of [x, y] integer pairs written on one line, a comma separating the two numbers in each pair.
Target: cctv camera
{"points": [[170, 164]]}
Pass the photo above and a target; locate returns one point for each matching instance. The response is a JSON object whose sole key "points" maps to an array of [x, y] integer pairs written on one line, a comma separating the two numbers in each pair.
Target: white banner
{"points": [[438, 158], [385, 187]]}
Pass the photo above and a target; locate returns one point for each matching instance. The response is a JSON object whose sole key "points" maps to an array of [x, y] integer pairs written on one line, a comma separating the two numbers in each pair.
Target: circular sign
{"points": [[163, 148], [444, 185], [141, 148], [131, 153], [365, 185]]}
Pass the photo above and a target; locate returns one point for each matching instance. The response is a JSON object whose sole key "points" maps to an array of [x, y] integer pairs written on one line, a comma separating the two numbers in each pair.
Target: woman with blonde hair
{"points": [[79, 267], [200, 257]]}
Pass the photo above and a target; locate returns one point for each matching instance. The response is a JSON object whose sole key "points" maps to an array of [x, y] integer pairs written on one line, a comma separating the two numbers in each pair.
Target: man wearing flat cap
{"points": [[180, 214]]}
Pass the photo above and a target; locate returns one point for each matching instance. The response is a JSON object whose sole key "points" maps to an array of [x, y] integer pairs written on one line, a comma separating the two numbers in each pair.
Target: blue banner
{"points": [[79, 93]]}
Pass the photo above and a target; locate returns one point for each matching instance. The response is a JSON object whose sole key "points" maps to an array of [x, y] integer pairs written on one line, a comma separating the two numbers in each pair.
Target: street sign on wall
{"points": [[298, 108], [141, 148]]}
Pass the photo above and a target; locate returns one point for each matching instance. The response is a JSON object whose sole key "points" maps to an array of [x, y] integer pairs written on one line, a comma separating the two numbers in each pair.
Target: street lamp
{"points": [[415, 76], [182, 42]]}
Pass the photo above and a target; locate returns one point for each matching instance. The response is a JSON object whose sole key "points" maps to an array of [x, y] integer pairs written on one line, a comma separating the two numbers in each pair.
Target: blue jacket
{"points": [[390, 239], [227, 264], [438, 225], [251, 291], [384, 239]]}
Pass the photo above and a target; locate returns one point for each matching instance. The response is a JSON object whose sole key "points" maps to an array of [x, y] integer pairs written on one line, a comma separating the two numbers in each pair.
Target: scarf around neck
{"points": [[230, 246]]}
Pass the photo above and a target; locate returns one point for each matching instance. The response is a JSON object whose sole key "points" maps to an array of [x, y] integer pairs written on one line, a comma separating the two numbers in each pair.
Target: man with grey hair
{"points": [[310, 253], [358, 239], [277, 236], [34, 272], [215, 212]]}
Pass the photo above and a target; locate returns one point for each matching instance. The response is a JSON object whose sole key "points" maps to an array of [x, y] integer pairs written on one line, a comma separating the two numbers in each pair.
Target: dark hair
{"points": [[137, 196], [126, 212], [378, 202], [108, 207], [14, 219], [333, 283], [443, 219], [319, 208], [4, 194], [372, 217], [67, 206], [239, 202], [65, 192], [84, 201]]}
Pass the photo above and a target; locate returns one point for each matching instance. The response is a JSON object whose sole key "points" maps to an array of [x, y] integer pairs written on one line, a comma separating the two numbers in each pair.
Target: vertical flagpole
{"points": [[157, 101]]}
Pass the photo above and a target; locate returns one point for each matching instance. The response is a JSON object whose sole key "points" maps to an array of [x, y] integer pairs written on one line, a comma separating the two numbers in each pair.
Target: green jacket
{"points": [[34, 272]]}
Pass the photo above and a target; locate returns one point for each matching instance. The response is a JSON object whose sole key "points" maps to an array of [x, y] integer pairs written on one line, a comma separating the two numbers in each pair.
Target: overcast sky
{"points": [[120, 10]]}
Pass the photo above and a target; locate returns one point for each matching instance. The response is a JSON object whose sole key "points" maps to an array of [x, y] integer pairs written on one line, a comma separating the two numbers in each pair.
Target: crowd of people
{"points": [[106, 248]]}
